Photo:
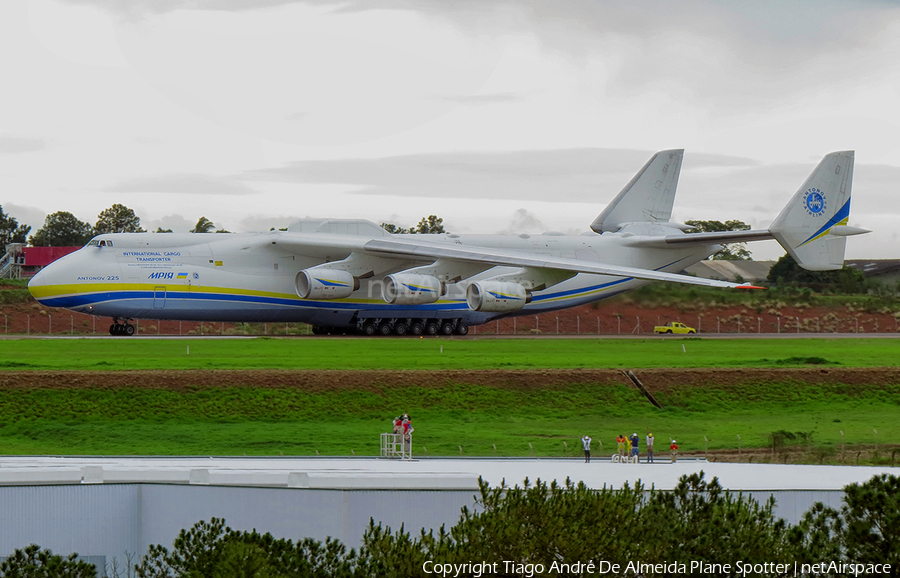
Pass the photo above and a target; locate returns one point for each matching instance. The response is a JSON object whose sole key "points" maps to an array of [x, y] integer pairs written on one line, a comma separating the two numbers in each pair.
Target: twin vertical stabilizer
{"points": [[648, 197], [813, 226]]}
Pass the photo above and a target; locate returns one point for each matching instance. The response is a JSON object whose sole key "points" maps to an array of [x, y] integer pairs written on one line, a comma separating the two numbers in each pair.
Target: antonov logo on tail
{"points": [[815, 202]]}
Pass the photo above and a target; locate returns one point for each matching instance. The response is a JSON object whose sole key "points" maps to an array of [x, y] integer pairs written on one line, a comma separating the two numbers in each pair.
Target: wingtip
{"points": [[748, 286]]}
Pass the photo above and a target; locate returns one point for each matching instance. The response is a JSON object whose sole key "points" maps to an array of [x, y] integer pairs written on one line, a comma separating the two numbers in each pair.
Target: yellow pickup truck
{"points": [[674, 327]]}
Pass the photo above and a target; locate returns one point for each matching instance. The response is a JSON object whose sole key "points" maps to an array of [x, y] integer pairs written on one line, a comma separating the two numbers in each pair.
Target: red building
{"points": [[21, 261]]}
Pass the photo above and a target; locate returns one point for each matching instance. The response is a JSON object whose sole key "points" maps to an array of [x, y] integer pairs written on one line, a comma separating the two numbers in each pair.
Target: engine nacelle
{"points": [[409, 289], [325, 284], [497, 296]]}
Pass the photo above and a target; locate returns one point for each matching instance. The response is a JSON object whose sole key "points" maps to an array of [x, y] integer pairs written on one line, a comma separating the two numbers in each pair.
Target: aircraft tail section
{"points": [[812, 228], [648, 197]]}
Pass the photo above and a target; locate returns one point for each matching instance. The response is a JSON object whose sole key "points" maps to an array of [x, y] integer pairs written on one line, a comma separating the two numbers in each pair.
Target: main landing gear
{"points": [[412, 327], [121, 327]]}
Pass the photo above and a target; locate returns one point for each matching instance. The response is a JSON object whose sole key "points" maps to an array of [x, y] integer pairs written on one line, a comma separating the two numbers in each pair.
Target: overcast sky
{"points": [[517, 116]]}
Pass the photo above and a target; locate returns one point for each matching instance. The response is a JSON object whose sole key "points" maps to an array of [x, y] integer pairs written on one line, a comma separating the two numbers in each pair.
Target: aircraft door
{"points": [[159, 297]]}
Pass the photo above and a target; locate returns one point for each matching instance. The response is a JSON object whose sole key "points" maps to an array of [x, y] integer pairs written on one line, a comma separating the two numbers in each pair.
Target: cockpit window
{"points": [[93, 243], [100, 243]]}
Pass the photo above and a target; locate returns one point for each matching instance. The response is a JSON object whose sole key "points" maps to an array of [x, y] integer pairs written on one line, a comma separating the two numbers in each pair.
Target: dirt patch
{"points": [[655, 380]]}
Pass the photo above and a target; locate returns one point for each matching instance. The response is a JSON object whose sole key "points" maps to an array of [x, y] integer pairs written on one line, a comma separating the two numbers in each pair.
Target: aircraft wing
{"points": [[500, 257]]}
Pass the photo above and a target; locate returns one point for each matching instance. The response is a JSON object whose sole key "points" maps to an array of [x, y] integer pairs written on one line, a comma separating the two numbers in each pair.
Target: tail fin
{"points": [[648, 197], [813, 226]]}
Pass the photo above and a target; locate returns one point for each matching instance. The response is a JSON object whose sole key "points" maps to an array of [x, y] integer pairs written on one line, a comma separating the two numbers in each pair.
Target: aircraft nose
{"points": [[38, 283]]}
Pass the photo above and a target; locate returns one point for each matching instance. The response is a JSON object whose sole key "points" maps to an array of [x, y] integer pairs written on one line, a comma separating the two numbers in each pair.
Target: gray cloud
{"points": [[264, 223], [565, 175], [16, 145], [524, 221], [25, 215], [480, 99], [176, 222], [186, 183]]}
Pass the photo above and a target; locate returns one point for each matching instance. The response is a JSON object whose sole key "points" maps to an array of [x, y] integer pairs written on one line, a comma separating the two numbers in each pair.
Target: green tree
{"points": [[204, 225], [845, 280], [394, 229], [430, 225], [117, 219], [701, 521], [212, 549], [61, 229], [11, 231], [161, 230], [730, 251], [871, 521], [35, 562]]}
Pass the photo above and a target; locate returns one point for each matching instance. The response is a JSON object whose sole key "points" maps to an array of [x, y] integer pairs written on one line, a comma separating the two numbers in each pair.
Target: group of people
{"points": [[403, 426], [633, 442]]}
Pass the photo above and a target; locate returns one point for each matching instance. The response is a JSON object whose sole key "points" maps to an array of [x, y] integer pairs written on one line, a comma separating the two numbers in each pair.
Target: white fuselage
{"points": [[249, 277]]}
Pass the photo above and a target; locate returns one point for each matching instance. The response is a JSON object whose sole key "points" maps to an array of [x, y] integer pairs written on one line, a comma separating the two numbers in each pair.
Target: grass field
{"points": [[243, 419], [246, 420], [313, 353]]}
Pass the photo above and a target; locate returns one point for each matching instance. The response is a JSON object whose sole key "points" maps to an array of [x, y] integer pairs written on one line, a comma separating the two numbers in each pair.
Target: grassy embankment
{"points": [[243, 419]]}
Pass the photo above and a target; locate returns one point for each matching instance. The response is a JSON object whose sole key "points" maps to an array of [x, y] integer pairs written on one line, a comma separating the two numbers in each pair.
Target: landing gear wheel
{"points": [[462, 329], [128, 330], [114, 329], [417, 328], [370, 329], [447, 328], [431, 328], [384, 328], [400, 329]]}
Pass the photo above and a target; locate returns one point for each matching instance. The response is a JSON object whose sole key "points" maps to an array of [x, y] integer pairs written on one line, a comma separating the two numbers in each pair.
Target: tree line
{"points": [[63, 229], [553, 530]]}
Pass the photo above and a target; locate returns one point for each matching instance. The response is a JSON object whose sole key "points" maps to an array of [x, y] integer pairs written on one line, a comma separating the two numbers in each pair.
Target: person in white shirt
{"points": [[586, 442]]}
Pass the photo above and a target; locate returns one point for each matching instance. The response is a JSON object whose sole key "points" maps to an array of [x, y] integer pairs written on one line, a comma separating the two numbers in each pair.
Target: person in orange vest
{"points": [[621, 440], [674, 449]]}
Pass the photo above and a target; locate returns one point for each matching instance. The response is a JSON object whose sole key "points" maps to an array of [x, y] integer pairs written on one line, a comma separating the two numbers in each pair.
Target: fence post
{"points": [[842, 446]]}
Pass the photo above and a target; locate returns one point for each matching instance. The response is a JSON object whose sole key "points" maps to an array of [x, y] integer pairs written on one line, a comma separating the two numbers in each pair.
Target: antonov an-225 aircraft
{"points": [[352, 276]]}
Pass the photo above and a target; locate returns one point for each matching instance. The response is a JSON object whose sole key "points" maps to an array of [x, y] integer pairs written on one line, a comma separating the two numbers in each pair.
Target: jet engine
{"points": [[325, 284], [497, 296], [408, 289]]}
